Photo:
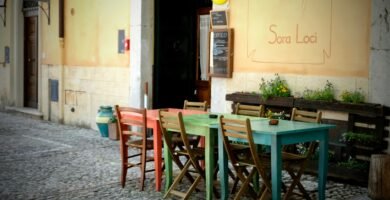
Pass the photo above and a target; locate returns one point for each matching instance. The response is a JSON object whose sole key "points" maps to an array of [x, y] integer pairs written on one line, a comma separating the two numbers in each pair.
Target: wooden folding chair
{"points": [[170, 121], [245, 165], [295, 162], [132, 134], [249, 110]]}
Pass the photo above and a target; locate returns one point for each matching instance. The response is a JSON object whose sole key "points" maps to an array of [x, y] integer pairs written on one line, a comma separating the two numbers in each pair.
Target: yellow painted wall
{"points": [[49, 40], [324, 37], [91, 33], [5, 40]]}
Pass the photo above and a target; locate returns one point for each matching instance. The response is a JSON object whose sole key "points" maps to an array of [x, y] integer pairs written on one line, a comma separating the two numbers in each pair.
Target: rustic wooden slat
{"points": [[379, 177]]}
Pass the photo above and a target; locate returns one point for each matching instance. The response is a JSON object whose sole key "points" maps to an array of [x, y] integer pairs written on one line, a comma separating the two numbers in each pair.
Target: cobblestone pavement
{"points": [[45, 160]]}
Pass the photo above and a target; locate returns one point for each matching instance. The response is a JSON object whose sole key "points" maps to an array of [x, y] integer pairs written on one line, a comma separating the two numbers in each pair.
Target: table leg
{"points": [[276, 167], [223, 168], [157, 153], [209, 151], [168, 165], [323, 165]]}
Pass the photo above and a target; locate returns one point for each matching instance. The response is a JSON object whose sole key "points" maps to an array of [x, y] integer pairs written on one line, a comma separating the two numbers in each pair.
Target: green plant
{"points": [[274, 115], [276, 87], [113, 119], [361, 138], [356, 96], [354, 164], [325, 94]]}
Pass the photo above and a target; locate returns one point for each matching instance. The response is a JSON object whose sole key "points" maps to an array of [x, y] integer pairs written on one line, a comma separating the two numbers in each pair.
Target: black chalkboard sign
{"points": [[219, 19], [222, 54]]}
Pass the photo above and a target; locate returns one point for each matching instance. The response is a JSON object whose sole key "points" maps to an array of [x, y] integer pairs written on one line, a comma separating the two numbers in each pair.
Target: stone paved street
{"points": [[45, 160]]}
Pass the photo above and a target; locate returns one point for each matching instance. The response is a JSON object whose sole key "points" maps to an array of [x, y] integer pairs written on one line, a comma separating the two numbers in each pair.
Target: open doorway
{"points": [[31, 61], [176, 71]]}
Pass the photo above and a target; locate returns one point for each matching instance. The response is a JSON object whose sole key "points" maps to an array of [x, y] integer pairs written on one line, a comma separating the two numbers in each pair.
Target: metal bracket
{"points": [[46, 11]]}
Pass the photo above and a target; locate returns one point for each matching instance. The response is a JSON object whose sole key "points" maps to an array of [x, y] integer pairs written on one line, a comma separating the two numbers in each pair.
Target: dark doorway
{"points": [[174, 73], [31, 62]]}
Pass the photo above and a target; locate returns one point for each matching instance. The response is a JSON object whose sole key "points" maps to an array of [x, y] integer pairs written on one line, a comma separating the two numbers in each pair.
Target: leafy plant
{"points": [[354, 164], [325, 94], [276, 87], [275, 115], [356, 96], [362, 138], [113, 119]]}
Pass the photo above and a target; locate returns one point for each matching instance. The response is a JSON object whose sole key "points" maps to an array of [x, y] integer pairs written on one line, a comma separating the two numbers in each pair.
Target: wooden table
{"points": [[153, 122], [286, 132]]}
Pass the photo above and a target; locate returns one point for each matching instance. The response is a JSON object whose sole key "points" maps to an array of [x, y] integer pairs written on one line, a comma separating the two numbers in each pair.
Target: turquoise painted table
{"points": [[286, 132], [200, 124]]}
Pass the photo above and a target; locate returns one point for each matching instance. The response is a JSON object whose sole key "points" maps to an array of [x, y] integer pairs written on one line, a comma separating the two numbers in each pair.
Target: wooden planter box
{"points": [[364, 109], [252, 98], [373, 115]]}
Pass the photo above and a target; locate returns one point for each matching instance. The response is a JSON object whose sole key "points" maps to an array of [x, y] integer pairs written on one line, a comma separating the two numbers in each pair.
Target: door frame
{"points": [[200, 83], [20, 53], [25, 64]]}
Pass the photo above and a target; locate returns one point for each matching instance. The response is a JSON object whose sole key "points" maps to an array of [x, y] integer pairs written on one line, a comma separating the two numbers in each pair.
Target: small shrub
{"points": [[354, 164], [352, 97], [361, 138], [325, 94], [274, 88]]}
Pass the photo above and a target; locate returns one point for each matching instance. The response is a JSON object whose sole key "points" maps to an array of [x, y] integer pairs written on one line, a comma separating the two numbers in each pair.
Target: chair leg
{"points": [[143, 166], [178, 179], [296, 182], [245, 185], [124, 167], [123, 175], [236, 180]]}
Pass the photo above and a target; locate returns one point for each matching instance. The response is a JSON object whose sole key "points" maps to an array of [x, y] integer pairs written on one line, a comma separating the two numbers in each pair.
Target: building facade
{"points": [[65, 58]]}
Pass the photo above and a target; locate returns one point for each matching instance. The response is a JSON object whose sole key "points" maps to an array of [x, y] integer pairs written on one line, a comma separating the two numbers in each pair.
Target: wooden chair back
{"points": [[249, 110], [307, 116], [170, 121], [192, 105], [130, 128]]}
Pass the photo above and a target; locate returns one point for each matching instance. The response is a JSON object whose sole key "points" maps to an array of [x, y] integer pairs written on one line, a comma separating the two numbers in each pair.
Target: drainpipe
{"points": [[61, 34]]}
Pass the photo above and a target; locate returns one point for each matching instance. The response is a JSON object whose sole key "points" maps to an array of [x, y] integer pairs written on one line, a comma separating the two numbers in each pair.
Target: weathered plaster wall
{"points": [[87, 88], [380, 52]]}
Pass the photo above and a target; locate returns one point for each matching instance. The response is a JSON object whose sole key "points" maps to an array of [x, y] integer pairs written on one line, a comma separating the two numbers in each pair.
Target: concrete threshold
{"points": [[29, 112]]}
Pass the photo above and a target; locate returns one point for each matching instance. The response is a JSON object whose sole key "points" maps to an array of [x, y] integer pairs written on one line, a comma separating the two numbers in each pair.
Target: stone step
{"points": [[25, 111]]}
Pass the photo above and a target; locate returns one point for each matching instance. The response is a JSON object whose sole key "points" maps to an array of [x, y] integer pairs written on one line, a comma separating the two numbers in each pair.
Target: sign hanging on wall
{"points": [[221, 53], [219, 19]]}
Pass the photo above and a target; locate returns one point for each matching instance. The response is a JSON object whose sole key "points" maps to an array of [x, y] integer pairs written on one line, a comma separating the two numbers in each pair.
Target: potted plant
{"points": [[275, 92]]}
